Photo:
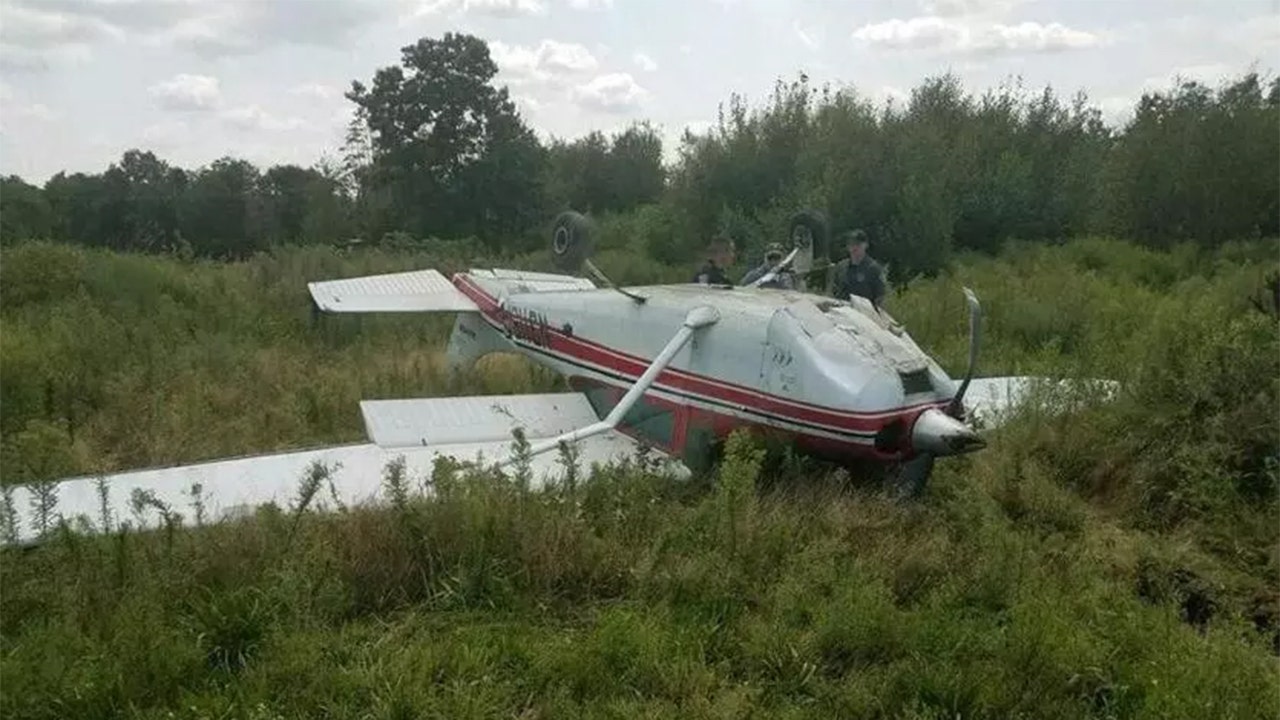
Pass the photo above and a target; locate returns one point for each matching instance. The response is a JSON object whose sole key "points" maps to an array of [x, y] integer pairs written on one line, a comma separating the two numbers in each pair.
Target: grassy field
{"points": [[1120, 562]]}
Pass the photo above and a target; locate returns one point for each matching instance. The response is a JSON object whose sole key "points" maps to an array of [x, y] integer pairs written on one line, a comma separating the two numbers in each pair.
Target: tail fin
{"points": [[472, 339]]}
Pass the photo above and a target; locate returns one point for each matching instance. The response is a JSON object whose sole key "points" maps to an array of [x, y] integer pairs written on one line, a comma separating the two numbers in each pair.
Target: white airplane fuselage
{"points": [[839, 379]]}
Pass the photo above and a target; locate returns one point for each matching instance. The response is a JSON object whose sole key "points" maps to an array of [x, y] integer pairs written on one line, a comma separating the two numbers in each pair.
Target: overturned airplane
{"points": [[672, 368]]}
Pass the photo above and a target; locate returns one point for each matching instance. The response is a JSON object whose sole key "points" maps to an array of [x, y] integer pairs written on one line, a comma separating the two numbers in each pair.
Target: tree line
{"points": [[438, 150]]}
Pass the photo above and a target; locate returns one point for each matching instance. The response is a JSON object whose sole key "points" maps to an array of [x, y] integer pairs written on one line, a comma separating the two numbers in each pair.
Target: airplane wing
{"points": [[420, 430], [416, 291], [993, 400], [426, 290]]}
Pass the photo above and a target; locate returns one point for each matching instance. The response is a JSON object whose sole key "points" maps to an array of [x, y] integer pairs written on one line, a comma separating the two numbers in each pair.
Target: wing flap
{"points": [[432, 421], [415, 291]]}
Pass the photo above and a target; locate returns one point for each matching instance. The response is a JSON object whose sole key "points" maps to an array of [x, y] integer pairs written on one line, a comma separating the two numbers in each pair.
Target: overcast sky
{"points": [[81, 81]]}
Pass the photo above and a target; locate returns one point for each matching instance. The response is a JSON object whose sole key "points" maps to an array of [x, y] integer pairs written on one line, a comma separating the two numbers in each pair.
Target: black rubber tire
{"points": [[815, 221], [572, 241]]}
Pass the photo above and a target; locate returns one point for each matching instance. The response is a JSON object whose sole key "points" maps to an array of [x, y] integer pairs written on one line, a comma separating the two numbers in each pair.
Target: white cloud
{"points": [[919, 32], [933, 32], [187, 93], [1035, 37], [315, 91], [644, 62], [1258, 35], [210, 27], [166, 135], [549, 62], [36, 26], [590, 4], [253, 117], [613, 93], [37, 111], [38, 37], [219, 31], [968, 8], [526, 102], [21, 59], [17, 110], [28, 111], [1209, 74], [491, 8]]}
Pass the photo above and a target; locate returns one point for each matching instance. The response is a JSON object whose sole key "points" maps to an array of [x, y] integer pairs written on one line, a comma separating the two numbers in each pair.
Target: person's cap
{"points": [[855, 237]]}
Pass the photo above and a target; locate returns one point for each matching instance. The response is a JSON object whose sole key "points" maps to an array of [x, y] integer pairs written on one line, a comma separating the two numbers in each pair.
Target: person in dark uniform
{"points": [[858, 274], [719, 257]]}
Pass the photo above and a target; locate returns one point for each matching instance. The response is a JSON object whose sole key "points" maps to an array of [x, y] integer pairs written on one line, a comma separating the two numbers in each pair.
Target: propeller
{"points": [[956, 406], [936, 432]]}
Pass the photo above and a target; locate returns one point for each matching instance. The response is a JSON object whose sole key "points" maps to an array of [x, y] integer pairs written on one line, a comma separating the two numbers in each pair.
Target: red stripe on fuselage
{"points": [[591, 352]]}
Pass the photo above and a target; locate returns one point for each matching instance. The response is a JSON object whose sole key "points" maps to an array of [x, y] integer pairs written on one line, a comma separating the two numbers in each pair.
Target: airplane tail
{"points": [[472, 339]]}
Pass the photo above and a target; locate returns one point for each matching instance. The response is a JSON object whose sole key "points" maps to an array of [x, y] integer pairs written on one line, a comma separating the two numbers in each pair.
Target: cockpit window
{"points": [[916, 382]]}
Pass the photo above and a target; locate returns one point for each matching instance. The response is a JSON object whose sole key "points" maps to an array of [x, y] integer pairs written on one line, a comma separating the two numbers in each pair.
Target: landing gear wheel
{"points": [[571, 241], [809, 229]]}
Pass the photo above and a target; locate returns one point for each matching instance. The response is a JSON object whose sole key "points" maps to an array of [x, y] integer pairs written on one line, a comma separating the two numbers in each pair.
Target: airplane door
{"points": [[778, 371]]}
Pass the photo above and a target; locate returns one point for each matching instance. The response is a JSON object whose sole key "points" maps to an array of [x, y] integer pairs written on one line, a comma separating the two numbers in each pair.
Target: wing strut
{"points": [[697, 319]]}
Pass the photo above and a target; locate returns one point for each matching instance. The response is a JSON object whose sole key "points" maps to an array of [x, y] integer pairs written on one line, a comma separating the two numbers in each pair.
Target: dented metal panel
{"points": [[416, 291], [427, 422]]}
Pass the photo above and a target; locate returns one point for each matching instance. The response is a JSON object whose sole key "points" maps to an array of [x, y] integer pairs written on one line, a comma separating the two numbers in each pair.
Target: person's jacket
{"points": [[865, 279], [709, 274]]}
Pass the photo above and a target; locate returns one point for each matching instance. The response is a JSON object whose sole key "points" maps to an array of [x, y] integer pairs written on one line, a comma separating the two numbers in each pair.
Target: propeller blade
{"points": [[913, 475], [956, 406]]}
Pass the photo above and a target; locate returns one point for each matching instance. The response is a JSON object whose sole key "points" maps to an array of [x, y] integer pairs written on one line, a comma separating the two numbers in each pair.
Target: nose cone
{"points": [[940, 434]]}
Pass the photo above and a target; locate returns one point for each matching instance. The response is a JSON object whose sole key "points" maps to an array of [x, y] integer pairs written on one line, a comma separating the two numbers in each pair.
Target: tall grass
{"points": [[1121, 561]]}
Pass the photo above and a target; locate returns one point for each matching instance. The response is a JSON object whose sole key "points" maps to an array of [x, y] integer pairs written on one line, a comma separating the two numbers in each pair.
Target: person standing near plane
{"points": [[859, 274], [720, 255], [772, 256]]}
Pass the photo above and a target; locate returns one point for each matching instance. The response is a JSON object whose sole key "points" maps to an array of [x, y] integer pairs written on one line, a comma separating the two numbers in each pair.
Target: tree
{"points": [[444, 140], [149, 192], [285, 190], [24, 211], [635, 161], [578, 173], [222, 213]]}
